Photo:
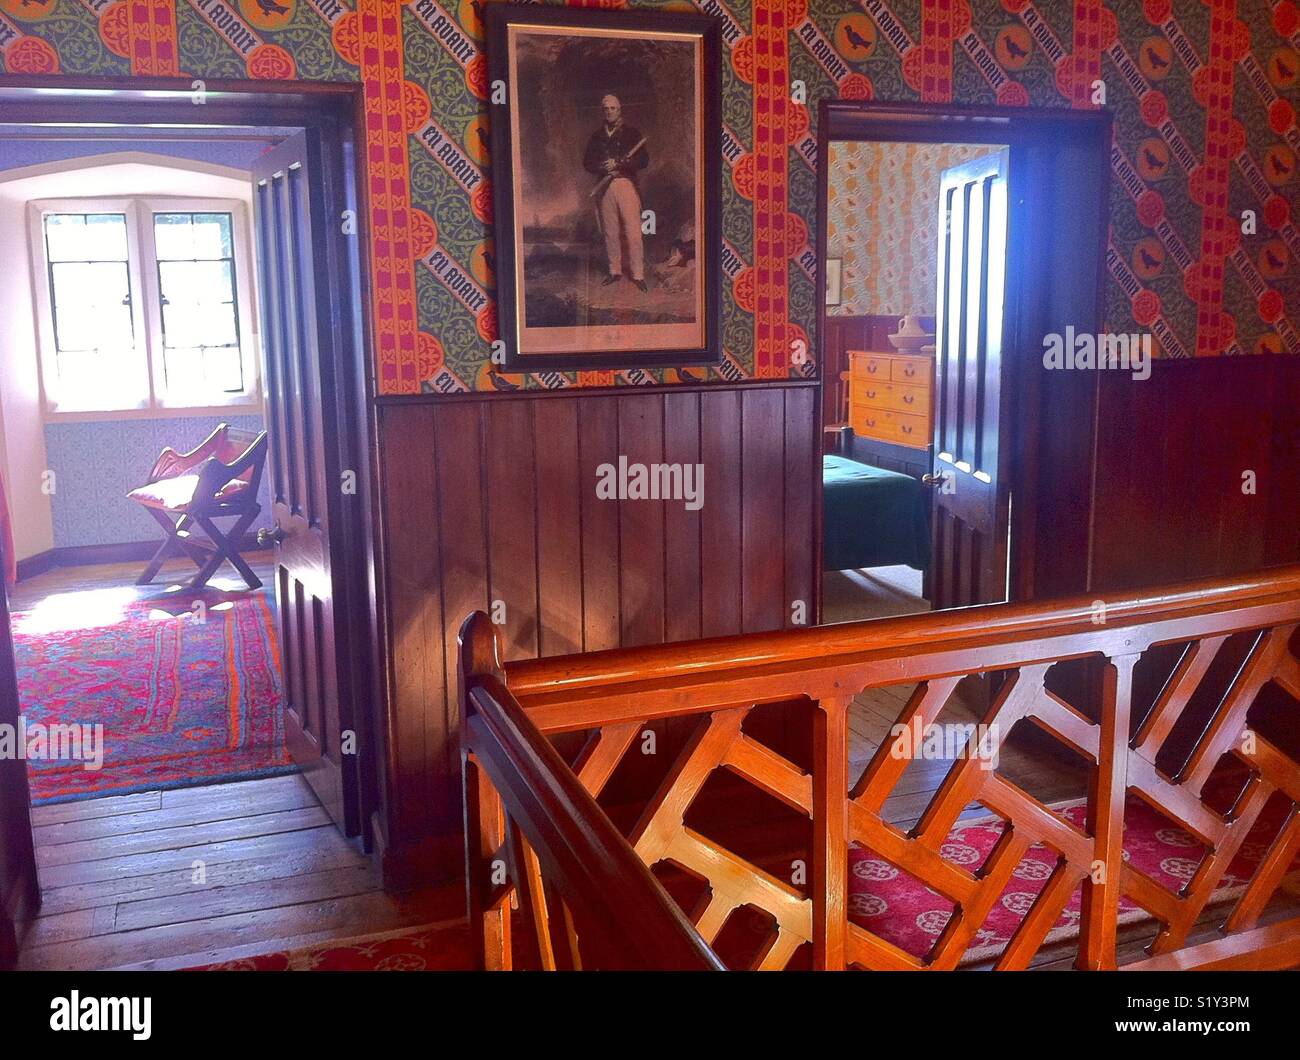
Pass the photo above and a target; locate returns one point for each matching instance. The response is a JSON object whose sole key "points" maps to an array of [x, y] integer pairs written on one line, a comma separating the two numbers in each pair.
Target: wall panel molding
{"points": [[494, 501]]}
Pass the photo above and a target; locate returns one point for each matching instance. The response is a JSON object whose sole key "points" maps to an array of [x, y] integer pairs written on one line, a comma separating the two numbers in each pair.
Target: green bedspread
{"points": [[873, 517]]}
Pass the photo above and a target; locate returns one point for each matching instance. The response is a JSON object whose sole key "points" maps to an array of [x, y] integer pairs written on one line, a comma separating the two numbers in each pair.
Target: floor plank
{"points": [[198, 879], [162, 838], [226, 803]]}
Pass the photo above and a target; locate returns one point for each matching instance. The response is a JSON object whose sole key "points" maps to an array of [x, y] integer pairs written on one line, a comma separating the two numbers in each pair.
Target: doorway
{"points": [[296, 807], [951, 241], [916, 246]]}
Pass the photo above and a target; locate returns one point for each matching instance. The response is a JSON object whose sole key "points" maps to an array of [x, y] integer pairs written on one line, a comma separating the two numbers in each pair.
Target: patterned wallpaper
{"points": [[882, 207], [97, 461], [1204, 95]]}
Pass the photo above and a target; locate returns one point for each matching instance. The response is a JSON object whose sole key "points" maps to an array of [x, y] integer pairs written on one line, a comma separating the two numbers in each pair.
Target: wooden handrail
{"points": [[626, 919], [614, 695], [965, 627]]}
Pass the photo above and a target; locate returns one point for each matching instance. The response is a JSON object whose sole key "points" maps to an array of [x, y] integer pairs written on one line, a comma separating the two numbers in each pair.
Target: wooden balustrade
{"points": [[585, 898], [614, 695]]}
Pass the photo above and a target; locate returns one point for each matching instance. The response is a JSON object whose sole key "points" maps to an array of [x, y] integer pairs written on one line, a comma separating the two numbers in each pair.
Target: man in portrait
{"points": [[616, 152]]}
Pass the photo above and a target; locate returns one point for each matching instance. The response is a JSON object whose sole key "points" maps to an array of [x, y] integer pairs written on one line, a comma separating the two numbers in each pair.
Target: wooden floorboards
{"points": [[873, 713], [192, 876]]}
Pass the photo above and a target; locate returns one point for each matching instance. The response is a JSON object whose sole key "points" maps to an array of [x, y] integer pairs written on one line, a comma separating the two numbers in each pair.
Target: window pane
{"points": [[187, 236], [86, 237], [212, 235], [202, 361], [193, 282], [224, 368], [200, 374], [173, 236], [205, 324], [91, 305]]}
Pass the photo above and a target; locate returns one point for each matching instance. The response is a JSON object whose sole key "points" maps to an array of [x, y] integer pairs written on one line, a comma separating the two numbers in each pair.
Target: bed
{"points": [[873, 517]]}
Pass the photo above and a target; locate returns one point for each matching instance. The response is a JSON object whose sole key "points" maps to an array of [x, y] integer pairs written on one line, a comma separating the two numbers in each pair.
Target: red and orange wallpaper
{"points": [[1204, 236]]}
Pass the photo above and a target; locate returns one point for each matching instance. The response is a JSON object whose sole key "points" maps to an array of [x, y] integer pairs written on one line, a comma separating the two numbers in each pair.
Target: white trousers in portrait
{"points": [[620, 220]]}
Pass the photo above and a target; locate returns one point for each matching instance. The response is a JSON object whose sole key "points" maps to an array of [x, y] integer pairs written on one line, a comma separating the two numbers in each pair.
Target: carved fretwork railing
{"points": [[1209, 651]]}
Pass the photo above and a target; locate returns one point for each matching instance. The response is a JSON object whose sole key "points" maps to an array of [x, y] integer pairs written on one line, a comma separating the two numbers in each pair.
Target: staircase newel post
{"points": [[485, 832]]}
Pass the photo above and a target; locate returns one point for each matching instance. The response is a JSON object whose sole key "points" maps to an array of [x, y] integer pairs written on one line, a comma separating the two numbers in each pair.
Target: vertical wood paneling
{"points": [[1171, 450], [598, 444], [1280, 468], [416, 644], [512, 522], [802, 468], [720, 570], [559, 537], [462, 544], [495, 498], [682, 527], [641, 526], [763, 510]]}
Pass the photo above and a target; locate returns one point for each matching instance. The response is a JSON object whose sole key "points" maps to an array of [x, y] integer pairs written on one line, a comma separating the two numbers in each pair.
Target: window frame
{"points": [[146, 308]]}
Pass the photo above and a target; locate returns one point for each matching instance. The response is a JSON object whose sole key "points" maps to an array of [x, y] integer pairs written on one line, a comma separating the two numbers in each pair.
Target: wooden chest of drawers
{"points": [[889, 397]]}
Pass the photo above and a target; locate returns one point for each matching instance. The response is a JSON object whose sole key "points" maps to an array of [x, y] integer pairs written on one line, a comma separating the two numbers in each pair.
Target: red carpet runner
{"points": [[186, 695]]}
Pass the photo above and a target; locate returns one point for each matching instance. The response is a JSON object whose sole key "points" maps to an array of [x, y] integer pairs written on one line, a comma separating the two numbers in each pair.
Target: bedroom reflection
{"points": [[883, 248]]}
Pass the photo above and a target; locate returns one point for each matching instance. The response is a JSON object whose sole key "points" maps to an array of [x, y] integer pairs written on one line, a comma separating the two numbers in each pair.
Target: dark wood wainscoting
{"points": [[1171, 454], [493, 500], [20, 894]]}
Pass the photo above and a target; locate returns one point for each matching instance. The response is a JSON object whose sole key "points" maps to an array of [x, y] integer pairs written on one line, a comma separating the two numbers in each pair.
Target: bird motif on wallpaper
{"points": [[270, 7], [1153, 160], [1014, 51], [1273, 261], [1280, 167], [1156, 60], [1150, 261], [500, 382], [855, 38]]}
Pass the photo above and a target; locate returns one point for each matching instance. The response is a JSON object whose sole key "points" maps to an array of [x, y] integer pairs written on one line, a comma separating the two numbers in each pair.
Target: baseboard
{"points": [[87, 555]]}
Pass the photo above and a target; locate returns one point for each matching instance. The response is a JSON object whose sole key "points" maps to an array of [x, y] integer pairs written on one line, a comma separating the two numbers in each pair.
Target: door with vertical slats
{"points": [[972, 495], [299, 409]]}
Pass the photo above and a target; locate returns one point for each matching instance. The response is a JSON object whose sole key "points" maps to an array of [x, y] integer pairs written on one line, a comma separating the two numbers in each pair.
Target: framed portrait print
{"points": [[606, 169]]}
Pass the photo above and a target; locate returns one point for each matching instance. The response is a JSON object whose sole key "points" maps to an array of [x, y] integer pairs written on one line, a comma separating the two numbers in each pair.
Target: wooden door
{"points": [[971, 477], [19, 890], [305, 481]]}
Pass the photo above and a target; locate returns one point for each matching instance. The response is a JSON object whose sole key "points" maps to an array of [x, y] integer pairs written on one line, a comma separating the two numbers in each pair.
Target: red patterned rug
{"points": [[900, 909], [440, 948], [186, 694]]}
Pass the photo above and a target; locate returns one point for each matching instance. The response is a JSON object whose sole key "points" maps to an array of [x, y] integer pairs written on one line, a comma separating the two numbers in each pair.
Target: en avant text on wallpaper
{"points": [[1204, 96]]}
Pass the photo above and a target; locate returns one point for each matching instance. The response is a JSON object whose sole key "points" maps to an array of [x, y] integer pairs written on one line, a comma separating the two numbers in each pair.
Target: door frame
{"points": [[1018, 127], [335, 112]]}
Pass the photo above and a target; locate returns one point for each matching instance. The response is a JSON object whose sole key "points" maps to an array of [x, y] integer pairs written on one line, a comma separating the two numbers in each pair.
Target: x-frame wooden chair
{"points": [[217, 479]]}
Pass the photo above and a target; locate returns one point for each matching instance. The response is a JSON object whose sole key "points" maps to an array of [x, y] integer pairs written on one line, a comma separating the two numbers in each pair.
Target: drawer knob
{"points": [[908, 399], [871, 393], [906, 429]]}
